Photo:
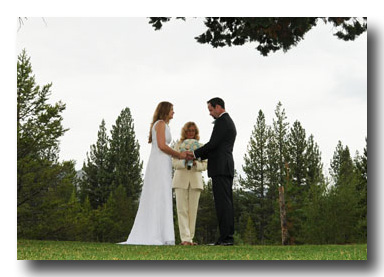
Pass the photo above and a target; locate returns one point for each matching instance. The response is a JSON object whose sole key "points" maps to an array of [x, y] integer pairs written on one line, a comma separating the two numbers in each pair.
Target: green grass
{"points": [[66, 250]]}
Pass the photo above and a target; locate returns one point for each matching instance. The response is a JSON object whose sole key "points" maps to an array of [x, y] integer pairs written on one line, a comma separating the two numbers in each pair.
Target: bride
{"points": [[154, 219]]}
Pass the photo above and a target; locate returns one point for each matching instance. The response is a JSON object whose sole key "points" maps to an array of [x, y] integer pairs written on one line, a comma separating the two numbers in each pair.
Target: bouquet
{"points": [[189, 145]]}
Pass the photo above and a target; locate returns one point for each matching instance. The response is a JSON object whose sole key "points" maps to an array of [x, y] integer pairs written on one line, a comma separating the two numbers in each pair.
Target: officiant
{"points": [[188, 183]]}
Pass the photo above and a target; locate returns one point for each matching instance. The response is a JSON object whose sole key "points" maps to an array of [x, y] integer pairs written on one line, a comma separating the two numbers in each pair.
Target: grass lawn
{"points": [[67, 250]]}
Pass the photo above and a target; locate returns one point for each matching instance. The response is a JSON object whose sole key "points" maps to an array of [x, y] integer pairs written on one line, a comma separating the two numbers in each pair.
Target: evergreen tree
{"points": [[314, 200], [39, 124], [104, 222], [255, 169], [280, 128], [336, 162], [297, 188], [122, 214], [305, 172], [125, 156], [87, 222], [250, 232], [42, 182], [362, 182], [297, 146], [96, 182], [206, 224], [243, 207], [273, 229], [316, 214], [314, 174], [112, 181], [114, 218], [344, 196], [272, 33], [71, 219]]}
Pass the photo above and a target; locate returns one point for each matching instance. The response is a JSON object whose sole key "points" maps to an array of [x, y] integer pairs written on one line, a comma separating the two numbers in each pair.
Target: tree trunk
{"points": [[283, 217]]}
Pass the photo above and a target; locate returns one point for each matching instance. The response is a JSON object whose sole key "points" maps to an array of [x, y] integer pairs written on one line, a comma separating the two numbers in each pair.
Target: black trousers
{"points": [[222, 193]]}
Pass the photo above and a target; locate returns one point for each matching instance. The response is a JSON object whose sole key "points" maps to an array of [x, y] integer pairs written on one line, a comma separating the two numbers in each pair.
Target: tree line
{"points": [[99, 203], [319, 209]]}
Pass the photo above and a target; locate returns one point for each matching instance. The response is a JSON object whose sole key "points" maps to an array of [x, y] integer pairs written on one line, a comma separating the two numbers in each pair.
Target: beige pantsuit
{"points": [[188, 185]]}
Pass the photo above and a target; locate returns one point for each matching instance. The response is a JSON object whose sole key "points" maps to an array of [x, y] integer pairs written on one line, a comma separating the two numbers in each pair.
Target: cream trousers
{"points": [[187, 202]]}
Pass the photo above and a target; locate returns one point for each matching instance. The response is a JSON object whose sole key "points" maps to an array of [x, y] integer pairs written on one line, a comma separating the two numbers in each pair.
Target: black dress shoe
{"points": [[222, 243], [214, 243], [226, 243]]}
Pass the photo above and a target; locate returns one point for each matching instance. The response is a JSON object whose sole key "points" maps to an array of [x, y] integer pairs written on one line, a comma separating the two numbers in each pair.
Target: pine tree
{"points": [[87, 225], [125, 156], [104, 221], [71, 219], [273, 228], [255, 169], [361, 163], [314, 175], [97, 179], [122, 214], [206, 224], [39, 124], [42, 182], [280, 128], [296, 191], [271, 33], [297, 146], [336, 162], [314, 199], [316, 214], [344, 196], [250, 234]]}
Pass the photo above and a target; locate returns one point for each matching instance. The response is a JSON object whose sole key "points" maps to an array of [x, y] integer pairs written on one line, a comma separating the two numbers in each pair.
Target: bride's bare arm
{"points": [[160, 136]]}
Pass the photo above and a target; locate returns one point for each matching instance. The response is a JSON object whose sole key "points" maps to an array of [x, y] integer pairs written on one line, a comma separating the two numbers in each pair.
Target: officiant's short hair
{"points": [[217, 101]]}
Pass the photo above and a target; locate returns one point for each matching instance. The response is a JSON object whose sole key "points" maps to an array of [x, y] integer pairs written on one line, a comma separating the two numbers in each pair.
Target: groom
{"points": [[221, 167]]}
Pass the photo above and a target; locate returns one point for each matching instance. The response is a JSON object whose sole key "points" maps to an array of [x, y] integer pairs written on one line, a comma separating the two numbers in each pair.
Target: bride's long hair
{"points": [[161, 113]]}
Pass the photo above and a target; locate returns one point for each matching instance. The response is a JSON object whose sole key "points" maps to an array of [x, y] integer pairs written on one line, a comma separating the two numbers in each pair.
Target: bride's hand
{"points": [[183, 155]]}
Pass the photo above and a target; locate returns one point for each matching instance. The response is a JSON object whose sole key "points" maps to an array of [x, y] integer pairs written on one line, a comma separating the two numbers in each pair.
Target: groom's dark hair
{"points": [[217, 101]]}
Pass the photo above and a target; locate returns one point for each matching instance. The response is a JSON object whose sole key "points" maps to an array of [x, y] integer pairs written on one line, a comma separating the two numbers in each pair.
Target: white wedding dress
{"points": [[154, 219]]}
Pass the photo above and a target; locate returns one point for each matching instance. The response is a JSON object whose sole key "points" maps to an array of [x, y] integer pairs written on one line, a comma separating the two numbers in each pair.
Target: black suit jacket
{"points": [[219, 149]]}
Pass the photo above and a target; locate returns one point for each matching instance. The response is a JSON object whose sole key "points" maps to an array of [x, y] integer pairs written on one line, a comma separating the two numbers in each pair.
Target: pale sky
{"points": [[98, 66]]}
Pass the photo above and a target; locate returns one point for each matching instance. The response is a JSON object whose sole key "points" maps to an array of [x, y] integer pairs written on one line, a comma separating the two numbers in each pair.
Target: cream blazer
{"points": [[184, 177]]}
